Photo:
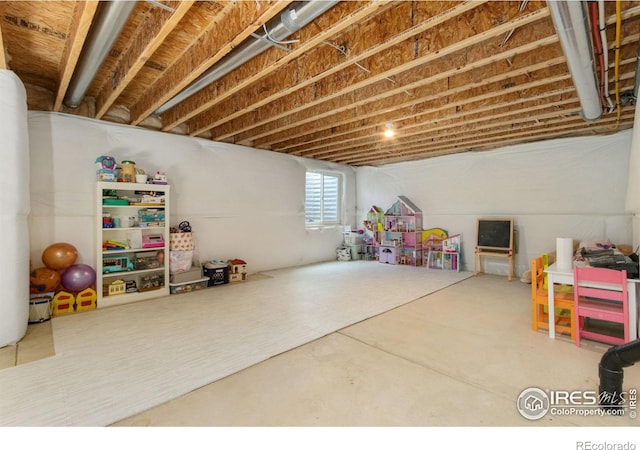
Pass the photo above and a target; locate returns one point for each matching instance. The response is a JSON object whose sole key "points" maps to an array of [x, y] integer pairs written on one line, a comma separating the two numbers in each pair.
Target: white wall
{"points": [[633, 188], [559, 188], [241, 202], [249, 203]]}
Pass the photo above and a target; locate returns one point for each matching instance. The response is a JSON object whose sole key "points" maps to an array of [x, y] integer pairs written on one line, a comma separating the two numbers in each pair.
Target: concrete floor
{"points": [[458, 357]]}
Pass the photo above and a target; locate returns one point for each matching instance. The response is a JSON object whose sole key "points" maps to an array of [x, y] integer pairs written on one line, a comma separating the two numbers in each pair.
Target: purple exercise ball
{"points": [[78, 277]]}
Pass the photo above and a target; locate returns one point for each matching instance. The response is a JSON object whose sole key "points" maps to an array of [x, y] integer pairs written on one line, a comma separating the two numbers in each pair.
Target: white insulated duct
{"points": [[290, 21], [109, 21], [571, 21], [15, 200]]}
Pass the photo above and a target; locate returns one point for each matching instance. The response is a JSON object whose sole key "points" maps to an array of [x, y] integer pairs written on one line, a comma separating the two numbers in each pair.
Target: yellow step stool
{"points": [[86, 300], [63, 303]]}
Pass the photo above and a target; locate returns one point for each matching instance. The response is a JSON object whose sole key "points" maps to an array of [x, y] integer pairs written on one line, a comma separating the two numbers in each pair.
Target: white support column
{"points": [[14, 209]]}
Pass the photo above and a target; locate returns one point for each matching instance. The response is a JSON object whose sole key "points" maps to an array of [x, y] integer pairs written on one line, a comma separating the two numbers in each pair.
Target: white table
{"points": [[565, 276]]}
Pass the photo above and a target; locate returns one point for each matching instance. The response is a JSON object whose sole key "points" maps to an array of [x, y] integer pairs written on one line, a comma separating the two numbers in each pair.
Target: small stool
{"points": [[86, 300], [63, 303]]}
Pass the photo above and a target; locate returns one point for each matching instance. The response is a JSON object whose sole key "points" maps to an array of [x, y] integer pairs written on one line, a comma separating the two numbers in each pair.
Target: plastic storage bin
{"points": [[189, 286], [217, 272], [191, 275], [353, 238]]}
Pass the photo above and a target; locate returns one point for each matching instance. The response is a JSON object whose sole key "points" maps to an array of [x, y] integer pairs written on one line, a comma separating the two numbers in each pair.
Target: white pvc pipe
{"points": [[571, 22], [108, 23], [290, 21], [14, 209]]}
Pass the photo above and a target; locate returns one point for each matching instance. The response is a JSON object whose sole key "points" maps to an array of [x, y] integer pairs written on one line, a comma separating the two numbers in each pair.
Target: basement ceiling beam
{"points": [[574, 127], [326, 61], [322, 148], [446, 118], [3, 59], [268, 63], [486, 124], [445, 113], [403, 141], [157, 26], [373, 105], [280, 116], [208, 48], [371, 102], [360, 116], [83, 14]]}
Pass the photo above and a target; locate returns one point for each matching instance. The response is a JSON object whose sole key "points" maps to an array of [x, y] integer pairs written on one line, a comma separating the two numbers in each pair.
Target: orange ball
{"points": [[43, 279], [59, 256]]}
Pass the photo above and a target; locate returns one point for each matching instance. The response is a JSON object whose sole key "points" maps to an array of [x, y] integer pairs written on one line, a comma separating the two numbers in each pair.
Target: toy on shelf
{"points": [[151, 282], [113, 245], [159, 178], [153, 241], [116, 287], [117, 264], [141, 176], [128, 171], [106, 168]]}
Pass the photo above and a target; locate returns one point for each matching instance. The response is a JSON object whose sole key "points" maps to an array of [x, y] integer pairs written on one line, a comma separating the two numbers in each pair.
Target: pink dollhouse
{"points": [[400, 240]]}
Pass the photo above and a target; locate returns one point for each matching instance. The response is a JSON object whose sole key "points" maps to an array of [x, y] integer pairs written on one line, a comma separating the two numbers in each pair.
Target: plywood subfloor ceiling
{"points": [[449, 76]]}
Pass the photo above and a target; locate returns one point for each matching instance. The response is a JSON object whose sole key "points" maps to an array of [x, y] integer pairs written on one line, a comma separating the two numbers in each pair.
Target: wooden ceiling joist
{"points": [[489, 114], [324, 60], [260, 123], [409, 106], [266, 65], [3, 59], [83, 13], [157, 26], [572, 127], [237, 22], [452, 76]]}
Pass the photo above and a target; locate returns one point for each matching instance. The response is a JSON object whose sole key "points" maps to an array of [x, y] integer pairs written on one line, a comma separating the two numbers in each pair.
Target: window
{"points": [[322, 199]]}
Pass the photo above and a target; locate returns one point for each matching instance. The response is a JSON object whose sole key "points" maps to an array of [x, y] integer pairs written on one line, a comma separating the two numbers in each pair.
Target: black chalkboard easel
{"points": [[495, 237]]}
